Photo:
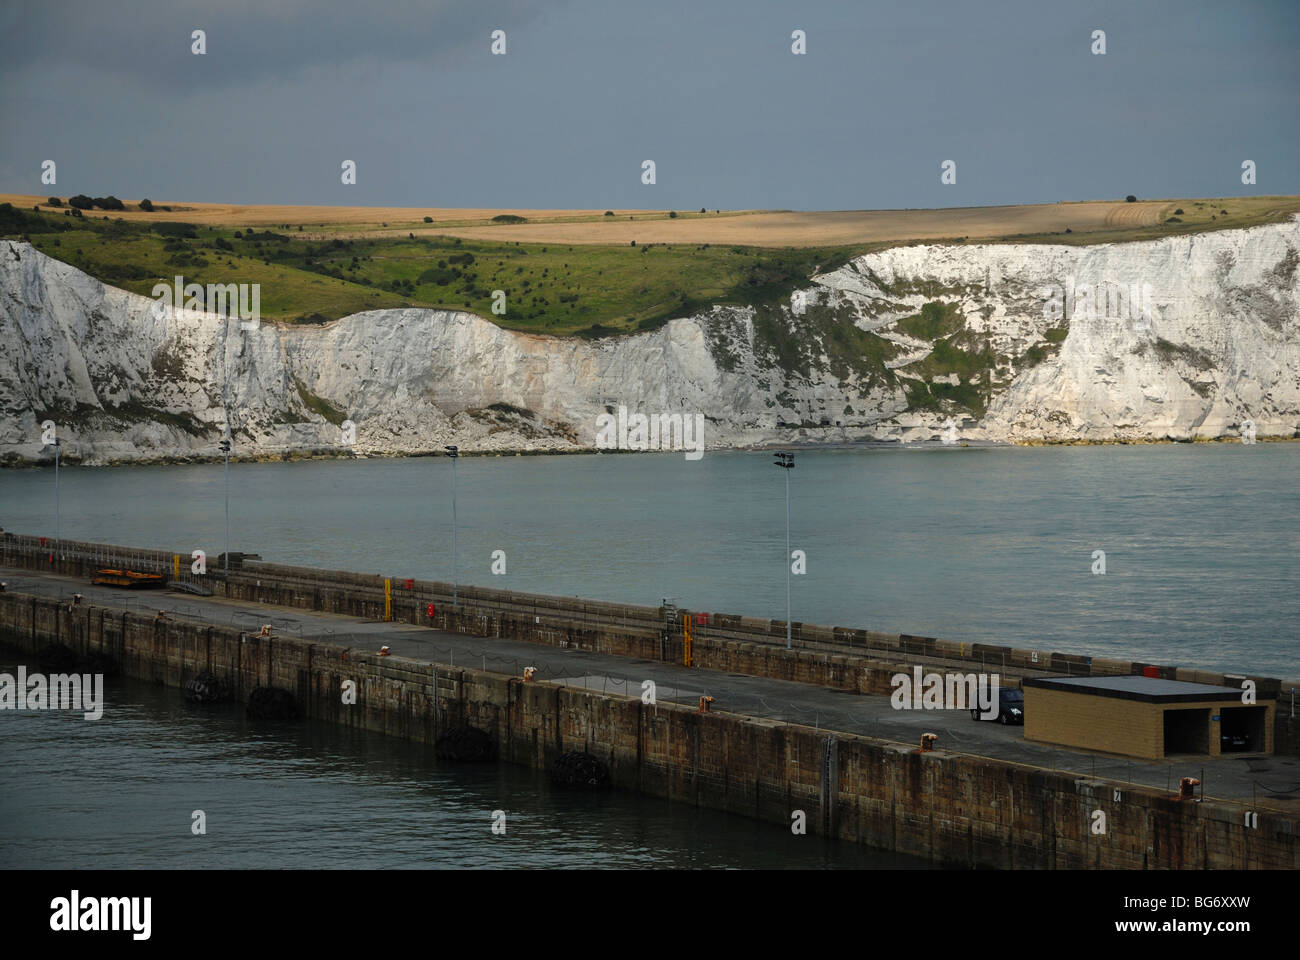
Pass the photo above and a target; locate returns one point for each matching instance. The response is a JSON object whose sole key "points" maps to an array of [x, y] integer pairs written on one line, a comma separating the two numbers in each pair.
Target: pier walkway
{"points": [[1263, 782]]}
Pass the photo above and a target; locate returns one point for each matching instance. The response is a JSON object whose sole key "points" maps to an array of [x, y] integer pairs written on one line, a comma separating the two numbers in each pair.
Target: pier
{"points": [[810, 729]]}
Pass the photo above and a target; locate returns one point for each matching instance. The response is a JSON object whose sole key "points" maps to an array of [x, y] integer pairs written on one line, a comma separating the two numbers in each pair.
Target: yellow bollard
{"points": [[388, 599]]}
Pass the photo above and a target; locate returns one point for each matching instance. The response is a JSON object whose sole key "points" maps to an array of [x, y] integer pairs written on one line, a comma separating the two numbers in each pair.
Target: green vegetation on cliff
{"points": [[556, 289]]}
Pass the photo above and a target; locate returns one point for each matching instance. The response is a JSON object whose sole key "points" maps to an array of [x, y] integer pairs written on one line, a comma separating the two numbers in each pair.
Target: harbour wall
{"points": [[955, 809], [841, 658]]}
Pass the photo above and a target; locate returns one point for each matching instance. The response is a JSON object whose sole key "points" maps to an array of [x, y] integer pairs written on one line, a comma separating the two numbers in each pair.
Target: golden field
{"points": [[1087, 221]]}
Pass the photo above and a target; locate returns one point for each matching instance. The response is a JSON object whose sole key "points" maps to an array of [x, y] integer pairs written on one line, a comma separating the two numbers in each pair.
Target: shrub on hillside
{"points": [[82, 202], [146, 205], [1131, 199], [173, 228], [118, 272], [55, 202], [14, 221]]}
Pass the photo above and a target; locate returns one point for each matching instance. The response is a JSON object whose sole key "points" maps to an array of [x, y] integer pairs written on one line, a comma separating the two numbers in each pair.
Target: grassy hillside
{"points": [[549, 289], [348, 259]]}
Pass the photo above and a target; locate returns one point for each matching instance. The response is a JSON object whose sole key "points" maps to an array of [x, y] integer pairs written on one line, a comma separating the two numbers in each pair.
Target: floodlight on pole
{"points": [[225, 449], [58, 444], [785, 460], [454, 453]]}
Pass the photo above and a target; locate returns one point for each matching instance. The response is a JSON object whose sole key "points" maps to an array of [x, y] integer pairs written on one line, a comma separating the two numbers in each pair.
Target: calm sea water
{"points": [[121, 793], [973, 544], [978, 544]]}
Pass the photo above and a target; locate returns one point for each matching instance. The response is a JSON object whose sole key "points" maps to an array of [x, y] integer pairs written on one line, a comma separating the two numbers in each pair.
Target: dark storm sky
{"points": [[708, 90]]}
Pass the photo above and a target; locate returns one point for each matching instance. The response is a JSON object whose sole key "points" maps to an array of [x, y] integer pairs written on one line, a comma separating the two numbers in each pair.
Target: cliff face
{"points": [[1172, 339]]}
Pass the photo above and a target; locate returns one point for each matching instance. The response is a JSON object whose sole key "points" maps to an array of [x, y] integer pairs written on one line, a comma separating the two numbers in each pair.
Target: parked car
{"points": [[1233, 741], [1011, 707]]}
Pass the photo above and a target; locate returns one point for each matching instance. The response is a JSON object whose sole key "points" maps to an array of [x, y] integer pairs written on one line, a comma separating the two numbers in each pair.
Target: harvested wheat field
{"points": [[1085, 221], [792, 228]]}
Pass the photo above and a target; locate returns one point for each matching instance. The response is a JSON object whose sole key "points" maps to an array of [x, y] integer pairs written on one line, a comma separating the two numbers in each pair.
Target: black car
{"points": [[1229, 742], [1011, 707]]}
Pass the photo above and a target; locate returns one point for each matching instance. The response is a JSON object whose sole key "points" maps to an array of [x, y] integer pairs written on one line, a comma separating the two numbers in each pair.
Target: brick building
{"points": [[1145, 716]]}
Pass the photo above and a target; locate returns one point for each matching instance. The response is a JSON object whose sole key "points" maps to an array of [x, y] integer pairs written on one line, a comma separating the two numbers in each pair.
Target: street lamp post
{"points": [[786, 462], [58, 444], [225, 449], [454, 453]]}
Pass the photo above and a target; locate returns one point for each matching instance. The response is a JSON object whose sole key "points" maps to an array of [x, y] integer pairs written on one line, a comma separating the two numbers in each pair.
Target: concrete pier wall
{"points": [[954, 809], [861, 661], [727, 641]]}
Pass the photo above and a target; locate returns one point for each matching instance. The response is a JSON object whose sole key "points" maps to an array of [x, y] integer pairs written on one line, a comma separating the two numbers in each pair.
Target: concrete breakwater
{"points": [[842, 658], [952, 808]]}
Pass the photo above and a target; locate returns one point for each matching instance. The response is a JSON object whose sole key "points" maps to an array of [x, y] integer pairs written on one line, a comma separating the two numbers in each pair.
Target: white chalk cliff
{"points": [[854, 356]]}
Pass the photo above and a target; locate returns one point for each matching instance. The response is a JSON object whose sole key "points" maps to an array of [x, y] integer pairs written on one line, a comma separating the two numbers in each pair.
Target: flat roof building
{"points": [[1145, 717]]}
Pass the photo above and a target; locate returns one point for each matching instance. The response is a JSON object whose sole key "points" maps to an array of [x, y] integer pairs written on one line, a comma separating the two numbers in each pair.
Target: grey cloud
{"points": [[148, 41]]}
